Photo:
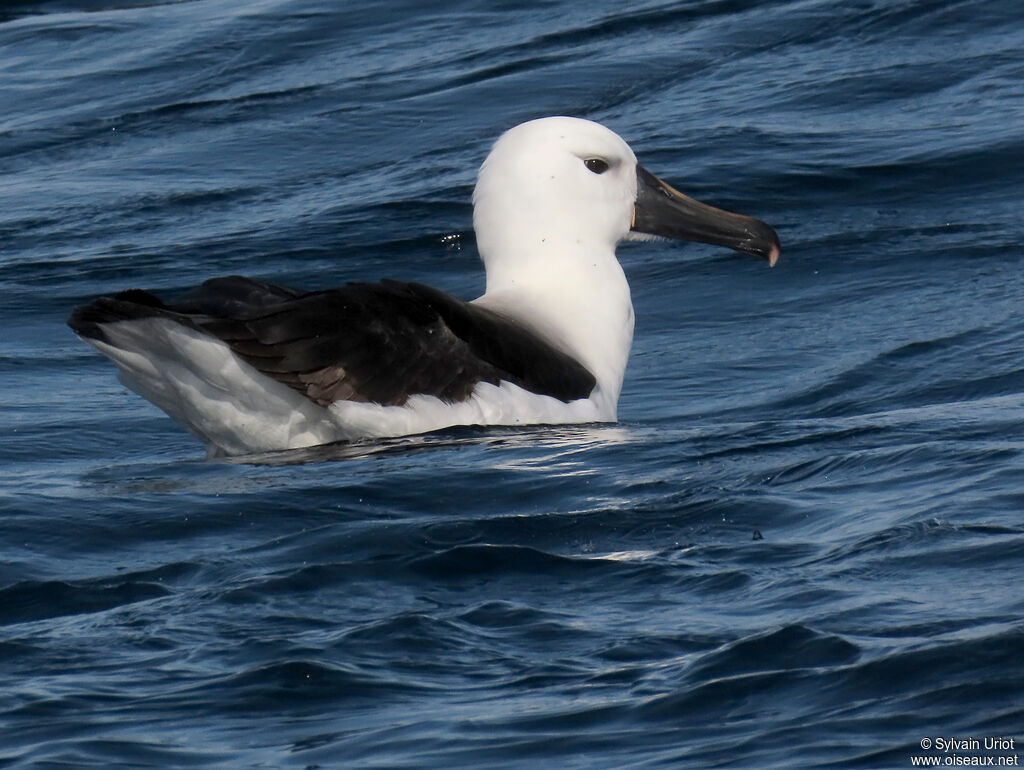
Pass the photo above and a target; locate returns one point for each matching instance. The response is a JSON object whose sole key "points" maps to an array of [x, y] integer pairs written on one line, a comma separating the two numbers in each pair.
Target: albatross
{"points": [[249, 366]]}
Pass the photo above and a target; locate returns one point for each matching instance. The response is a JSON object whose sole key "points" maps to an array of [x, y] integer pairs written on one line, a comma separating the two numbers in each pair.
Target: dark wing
{"points": [[523, 357], [233, 295], [379, 343]]}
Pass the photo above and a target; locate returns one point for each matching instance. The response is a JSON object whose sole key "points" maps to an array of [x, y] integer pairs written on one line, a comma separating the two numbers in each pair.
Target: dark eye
{"points": [[597, 165]]}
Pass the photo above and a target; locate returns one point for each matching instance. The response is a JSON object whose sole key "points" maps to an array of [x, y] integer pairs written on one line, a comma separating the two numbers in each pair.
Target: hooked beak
{"points": [[662, 210]]}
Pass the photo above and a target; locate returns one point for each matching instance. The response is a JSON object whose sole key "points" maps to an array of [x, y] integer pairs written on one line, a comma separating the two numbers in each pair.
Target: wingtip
{"points": [[88, 320]]}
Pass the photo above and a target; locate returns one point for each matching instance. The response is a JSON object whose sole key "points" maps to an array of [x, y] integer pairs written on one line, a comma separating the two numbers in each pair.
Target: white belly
{"points": [[228, 404]]}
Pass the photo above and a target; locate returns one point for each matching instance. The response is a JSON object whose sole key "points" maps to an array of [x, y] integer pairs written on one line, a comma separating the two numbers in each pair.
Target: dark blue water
{"points": [[570, 597]]}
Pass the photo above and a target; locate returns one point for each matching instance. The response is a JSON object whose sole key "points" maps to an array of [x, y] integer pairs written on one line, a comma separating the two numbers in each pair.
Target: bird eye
{"points": [[597, 165]]}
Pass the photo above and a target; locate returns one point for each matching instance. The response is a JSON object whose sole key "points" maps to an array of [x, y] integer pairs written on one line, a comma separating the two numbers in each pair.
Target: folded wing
{"points": [[368, 342]]}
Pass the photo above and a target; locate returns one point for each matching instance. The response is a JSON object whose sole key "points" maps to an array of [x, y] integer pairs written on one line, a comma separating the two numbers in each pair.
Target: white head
{"points": [[553, 188]]}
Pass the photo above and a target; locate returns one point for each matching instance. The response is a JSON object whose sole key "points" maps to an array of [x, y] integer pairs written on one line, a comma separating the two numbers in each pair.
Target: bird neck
{"points": [[576, 297]]}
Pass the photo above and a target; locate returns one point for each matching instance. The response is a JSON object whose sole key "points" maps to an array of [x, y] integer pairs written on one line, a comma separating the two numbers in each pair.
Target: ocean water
{"points": [[802, 544]]}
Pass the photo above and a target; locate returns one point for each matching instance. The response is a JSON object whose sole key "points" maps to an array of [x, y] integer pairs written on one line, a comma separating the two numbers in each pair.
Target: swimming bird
{"points": [[249, 366]]}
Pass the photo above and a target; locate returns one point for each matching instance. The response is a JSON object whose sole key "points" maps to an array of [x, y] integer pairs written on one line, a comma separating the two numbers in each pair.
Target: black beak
{"points": [[663, 210]]}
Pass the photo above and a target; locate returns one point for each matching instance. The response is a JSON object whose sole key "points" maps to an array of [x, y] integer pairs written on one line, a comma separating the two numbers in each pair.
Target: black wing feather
{"points": [[232, 295], [371, 342]]}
